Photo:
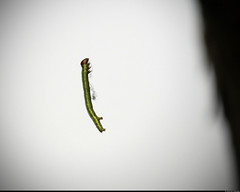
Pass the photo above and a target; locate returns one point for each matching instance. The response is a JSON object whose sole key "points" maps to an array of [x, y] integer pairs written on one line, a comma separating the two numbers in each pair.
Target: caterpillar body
{"points": [[87, 96]]}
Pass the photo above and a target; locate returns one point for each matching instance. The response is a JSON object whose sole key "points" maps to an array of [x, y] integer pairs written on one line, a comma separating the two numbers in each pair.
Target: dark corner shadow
{"points": [[221, 20]]}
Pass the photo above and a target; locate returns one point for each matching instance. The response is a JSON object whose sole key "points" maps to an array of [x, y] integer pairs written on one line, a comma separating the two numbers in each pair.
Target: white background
{"points": [[154, 91]]}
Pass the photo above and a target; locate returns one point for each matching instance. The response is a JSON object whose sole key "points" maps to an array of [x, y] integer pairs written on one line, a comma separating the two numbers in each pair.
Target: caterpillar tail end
{"points": [[102, 130]]}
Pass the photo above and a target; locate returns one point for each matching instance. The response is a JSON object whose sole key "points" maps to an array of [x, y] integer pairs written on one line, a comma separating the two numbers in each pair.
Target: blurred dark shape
{"points": [[221, 19]]}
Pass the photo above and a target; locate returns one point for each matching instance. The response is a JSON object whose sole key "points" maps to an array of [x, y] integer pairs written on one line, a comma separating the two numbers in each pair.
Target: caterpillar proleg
{"points": [[87, 96]]}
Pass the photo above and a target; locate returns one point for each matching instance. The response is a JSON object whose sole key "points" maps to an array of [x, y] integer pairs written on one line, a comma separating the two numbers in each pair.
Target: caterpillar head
{"points": [[85, 62]]}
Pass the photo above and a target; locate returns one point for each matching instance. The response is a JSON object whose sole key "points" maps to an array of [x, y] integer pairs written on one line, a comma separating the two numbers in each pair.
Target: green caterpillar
{"points": [[85, 71]]}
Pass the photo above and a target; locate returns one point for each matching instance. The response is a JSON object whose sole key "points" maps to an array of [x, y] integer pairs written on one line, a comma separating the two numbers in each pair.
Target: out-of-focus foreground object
{"points": [[221, 20]]}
